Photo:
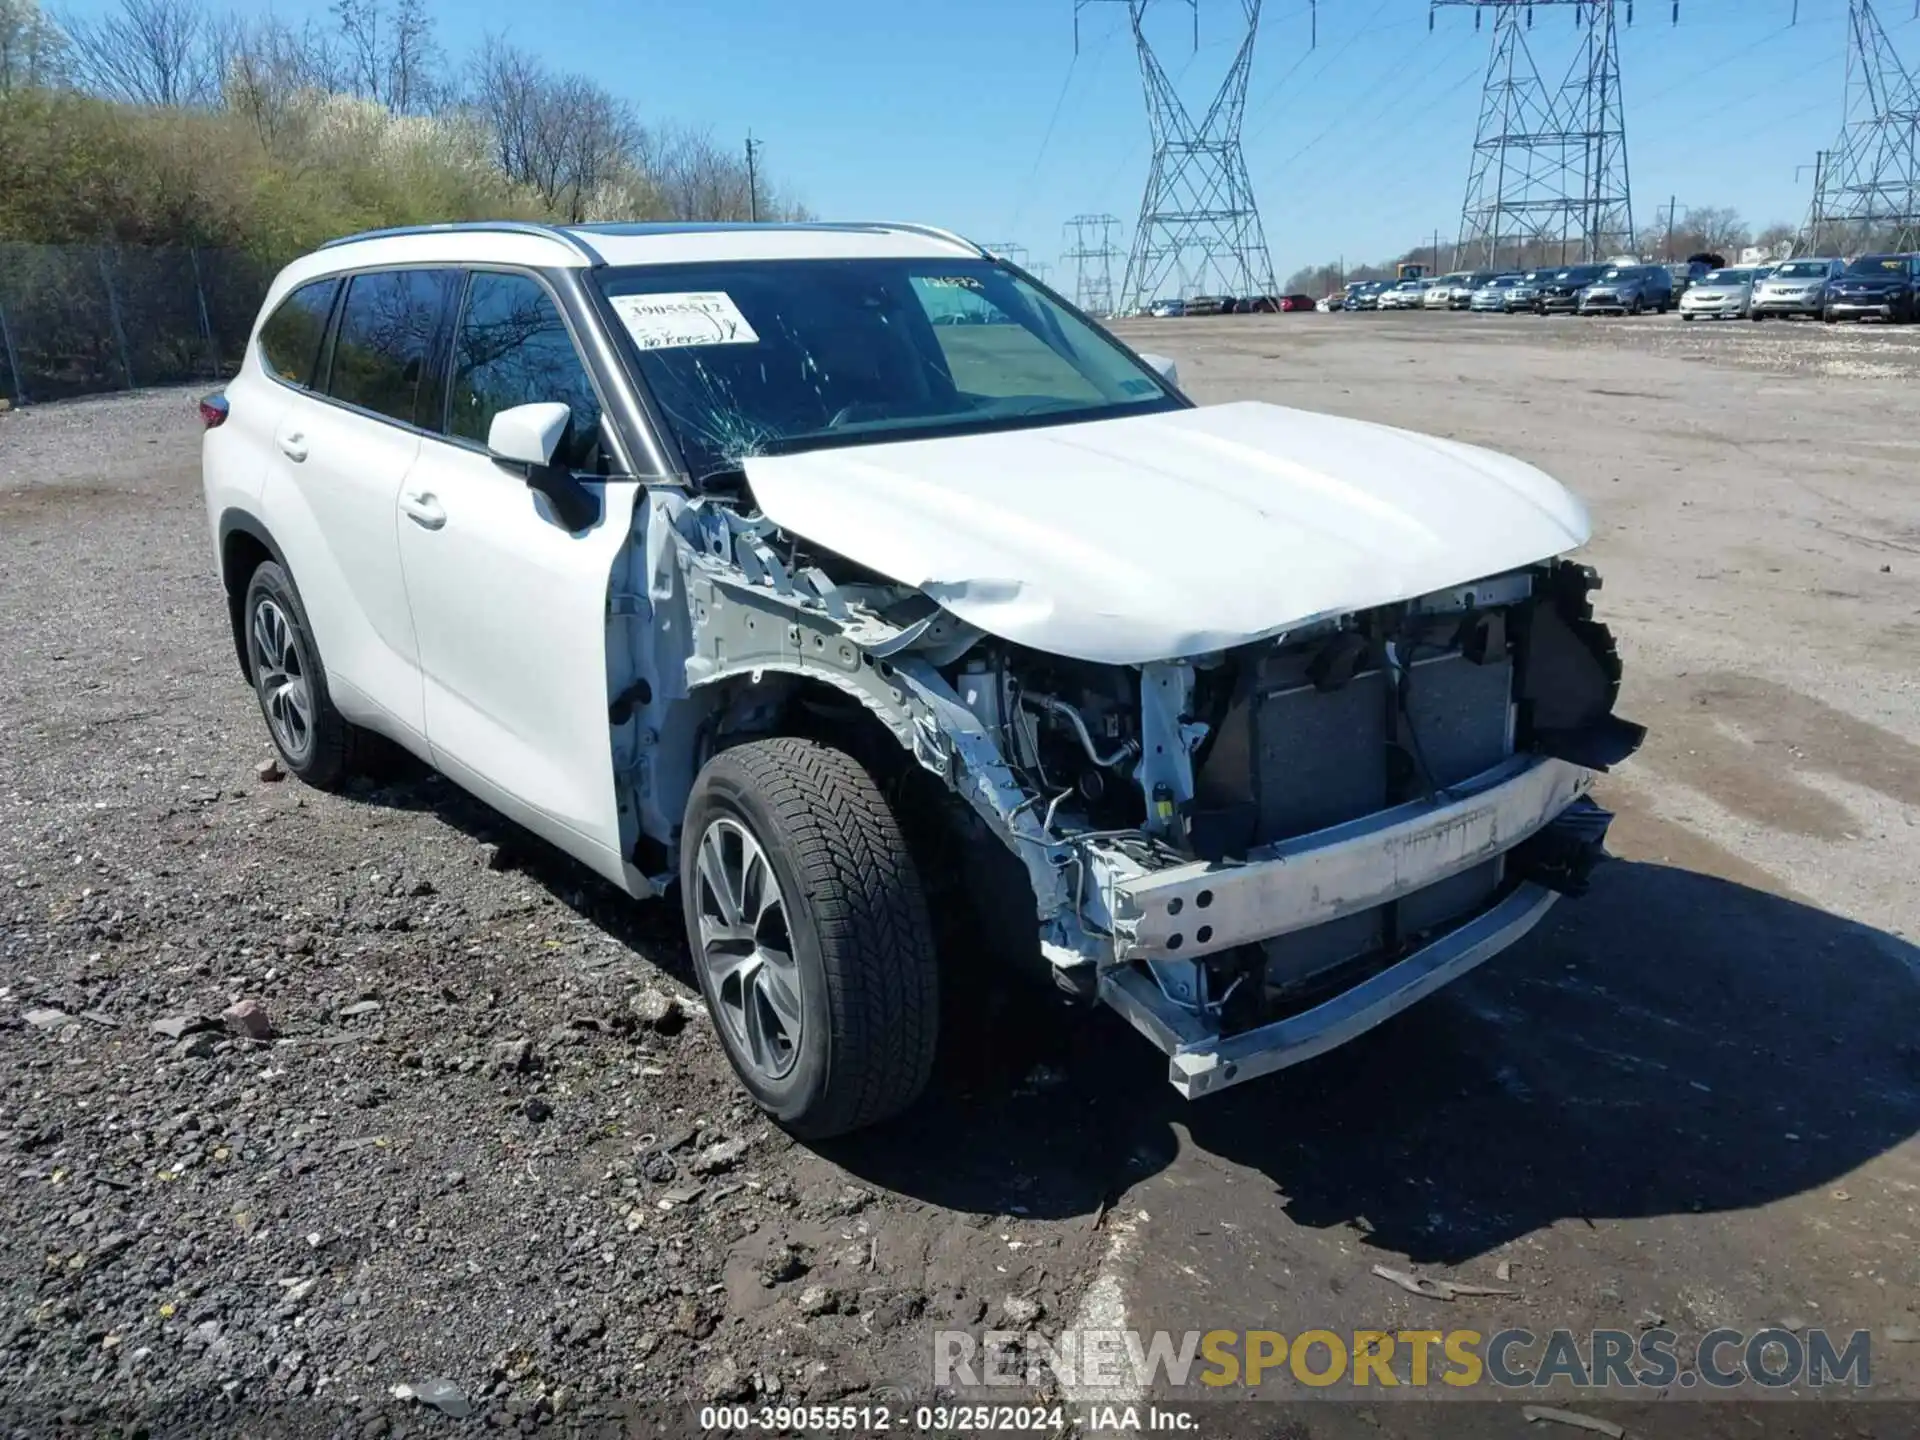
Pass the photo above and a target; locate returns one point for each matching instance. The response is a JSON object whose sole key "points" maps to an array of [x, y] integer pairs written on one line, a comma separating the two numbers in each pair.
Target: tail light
{"points": [[213, 409]]}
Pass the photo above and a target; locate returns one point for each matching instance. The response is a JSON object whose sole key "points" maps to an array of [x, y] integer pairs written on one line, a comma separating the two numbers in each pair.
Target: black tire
{"points": [[335, 748], [1829, 317], [856, 922], [1686, 317]]}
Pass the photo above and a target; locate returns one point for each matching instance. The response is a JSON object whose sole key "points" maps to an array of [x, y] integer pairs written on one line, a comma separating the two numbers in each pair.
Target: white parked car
{"points": [[713, 556], [1405, 295]]}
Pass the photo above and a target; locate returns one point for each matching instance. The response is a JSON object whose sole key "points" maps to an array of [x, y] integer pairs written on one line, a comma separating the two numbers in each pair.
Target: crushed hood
{"points": [[1159, 536]]}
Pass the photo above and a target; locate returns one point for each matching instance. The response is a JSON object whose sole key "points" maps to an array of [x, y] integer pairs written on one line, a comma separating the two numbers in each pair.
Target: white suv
{"points": [[851, 582]]}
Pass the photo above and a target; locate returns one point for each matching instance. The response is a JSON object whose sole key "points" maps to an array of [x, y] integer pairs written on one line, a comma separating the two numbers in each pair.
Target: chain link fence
{"points": [[79, 319]]}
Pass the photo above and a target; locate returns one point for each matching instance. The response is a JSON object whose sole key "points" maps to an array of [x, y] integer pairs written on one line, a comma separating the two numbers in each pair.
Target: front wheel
{"points": [[1686, 317], [1829, 317], [810, 935]]}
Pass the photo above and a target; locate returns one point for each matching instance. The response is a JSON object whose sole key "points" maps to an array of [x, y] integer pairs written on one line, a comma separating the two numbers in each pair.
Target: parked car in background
{"points": [[1456, 290], [1719, 295], [1403, 295], [1167, 309], [1210, 305], [1685, 274], [1629, 290], [1439, 292], [1796, 287], [1296, 302], [1879, 287], [1560, 290], [598, 522], [1367, 295], [1492, 297], [1327, 304], [1526, 294]]}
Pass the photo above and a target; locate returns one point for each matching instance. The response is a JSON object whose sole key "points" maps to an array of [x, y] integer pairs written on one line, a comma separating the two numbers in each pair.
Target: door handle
{"points": [[423, 509], [294, 446]]}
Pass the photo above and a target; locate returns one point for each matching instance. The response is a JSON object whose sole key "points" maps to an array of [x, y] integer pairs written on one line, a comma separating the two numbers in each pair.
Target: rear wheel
{"points": [[315, 741], [810, 935]]}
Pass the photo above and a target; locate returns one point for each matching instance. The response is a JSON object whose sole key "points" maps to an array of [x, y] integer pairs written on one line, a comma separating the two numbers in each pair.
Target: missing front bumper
{"points": [[1185, 911], [1201, 1062], [1533, 811]]}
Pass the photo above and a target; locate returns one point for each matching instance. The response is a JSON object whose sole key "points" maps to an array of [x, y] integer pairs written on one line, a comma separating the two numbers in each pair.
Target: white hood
{"points": [[1160, 536]]}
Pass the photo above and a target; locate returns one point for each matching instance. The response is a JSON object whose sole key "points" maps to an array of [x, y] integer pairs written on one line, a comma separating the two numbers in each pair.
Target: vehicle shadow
{"points": [[1671, 1043], [653, 932]]}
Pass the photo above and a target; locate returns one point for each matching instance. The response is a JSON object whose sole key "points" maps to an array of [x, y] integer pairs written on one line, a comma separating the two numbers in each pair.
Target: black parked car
{"points": [[1885, 286], [1560, 289]]}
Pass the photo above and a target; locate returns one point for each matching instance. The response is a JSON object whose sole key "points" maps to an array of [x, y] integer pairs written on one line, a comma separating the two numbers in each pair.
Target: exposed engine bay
{"points": [[1347, 718], [1214, 845]]}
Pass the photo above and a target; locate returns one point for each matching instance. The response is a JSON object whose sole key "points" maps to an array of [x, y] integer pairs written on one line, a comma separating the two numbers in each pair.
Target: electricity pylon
{"points": [[1011, 251], [1549, 177], [1092, 252], [1199, 226], [1864, 189]]}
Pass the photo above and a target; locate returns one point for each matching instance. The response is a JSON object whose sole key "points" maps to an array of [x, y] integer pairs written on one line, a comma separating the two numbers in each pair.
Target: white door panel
{"points": [[511, 612], [334, 517]]}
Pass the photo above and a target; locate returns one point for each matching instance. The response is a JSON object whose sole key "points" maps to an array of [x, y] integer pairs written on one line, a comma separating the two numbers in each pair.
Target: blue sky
{"points": [[978, 115]]}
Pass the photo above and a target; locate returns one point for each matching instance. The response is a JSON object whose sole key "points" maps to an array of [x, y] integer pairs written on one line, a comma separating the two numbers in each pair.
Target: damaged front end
{"points": [[1253, 854]]}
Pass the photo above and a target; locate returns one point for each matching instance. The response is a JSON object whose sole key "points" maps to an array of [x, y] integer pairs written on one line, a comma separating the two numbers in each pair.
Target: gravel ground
{"points": [[488, 1140], [488, 1137]]}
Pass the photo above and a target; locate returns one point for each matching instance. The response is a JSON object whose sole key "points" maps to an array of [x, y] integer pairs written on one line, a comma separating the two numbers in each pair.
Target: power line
{"points": [[1866, 192], [1093, 252], [1549, 162], [1199, 224]]}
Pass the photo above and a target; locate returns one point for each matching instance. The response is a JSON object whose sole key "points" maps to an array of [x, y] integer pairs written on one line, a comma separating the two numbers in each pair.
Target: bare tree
{"points": [[359, 22], [563, 136], [32, 49], [146, 52], [390, 55], [1778, 239], [270, 67], [700, 180], [413, 61], [1718, 228]]}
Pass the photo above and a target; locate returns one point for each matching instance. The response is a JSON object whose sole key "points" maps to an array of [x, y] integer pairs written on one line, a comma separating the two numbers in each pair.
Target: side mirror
{"points": [[525, 438], [1167, 369], [528, 434]]}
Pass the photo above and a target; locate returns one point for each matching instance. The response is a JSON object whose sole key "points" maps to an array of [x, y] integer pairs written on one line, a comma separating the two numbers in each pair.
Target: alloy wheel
{"points": [[286, 693], [746, 948]]}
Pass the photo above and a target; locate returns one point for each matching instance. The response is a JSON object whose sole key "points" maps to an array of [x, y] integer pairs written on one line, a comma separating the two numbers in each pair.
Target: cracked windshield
{"points": [[768, 358]]}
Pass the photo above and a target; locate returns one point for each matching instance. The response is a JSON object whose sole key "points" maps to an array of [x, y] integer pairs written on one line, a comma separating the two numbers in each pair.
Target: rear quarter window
{"points": [[290, 340]]}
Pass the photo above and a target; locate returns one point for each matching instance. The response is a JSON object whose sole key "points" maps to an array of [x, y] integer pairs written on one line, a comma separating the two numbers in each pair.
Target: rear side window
{"points": [[290, 340], [512, 348], [385, 355]]}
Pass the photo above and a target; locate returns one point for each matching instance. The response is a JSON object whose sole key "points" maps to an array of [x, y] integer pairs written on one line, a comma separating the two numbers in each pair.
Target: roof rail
{"points": [[935, 232], [497, 227]]}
